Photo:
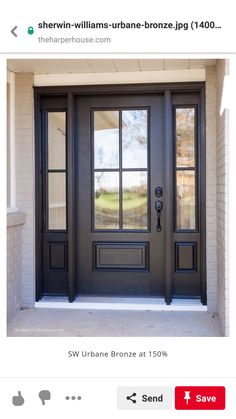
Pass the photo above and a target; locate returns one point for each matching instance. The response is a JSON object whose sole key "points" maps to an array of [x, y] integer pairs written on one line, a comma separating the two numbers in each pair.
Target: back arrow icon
{"points": [[13, 31]]}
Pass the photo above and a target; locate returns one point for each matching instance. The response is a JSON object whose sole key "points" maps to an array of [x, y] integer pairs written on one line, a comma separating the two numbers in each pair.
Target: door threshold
{"points": [[121, 303]]}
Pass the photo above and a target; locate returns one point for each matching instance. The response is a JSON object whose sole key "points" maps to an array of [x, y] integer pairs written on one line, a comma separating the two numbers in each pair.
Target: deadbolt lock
{"points": [[158, 191]]}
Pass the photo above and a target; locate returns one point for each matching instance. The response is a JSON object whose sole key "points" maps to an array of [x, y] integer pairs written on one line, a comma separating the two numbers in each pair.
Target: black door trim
{"points": [[69, 92], [70, 200], [169, 196]]}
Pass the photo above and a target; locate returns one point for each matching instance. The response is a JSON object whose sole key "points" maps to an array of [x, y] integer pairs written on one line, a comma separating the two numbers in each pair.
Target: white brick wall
{"points": [[15, 223], [217, 194], [211, 230], [25, 180], [222, 199]]}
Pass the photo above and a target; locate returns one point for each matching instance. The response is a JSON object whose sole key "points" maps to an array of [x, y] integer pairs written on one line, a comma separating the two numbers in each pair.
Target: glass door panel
{"points": [[185, 137], [56, 140], [106, 139], [120, 149], [134, 139], [57, 201], [56, 171], [185, 168], [134, 199], [185, 196], [106, 196]]}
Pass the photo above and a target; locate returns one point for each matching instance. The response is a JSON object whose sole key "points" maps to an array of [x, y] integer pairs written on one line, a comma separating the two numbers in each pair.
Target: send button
{"points": [[144, 398]]}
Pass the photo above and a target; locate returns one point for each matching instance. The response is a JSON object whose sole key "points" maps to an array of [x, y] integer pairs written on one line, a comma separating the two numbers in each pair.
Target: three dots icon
{"points": [[73, 398]]}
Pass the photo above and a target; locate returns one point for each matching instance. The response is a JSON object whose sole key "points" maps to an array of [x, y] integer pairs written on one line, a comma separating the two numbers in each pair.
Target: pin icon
{"points": [[44, 395], [18, 400]]}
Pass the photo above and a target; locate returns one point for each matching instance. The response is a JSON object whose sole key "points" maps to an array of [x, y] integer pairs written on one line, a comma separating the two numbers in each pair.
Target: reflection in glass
{"points": [[134, 139], [106, 195], [56, 140], [134, 200], [185, 199], [57, 201], [185, 137], [106, 139]]}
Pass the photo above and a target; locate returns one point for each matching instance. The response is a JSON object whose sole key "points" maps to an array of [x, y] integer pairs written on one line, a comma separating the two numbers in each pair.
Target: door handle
{"points": [[159, 208]]}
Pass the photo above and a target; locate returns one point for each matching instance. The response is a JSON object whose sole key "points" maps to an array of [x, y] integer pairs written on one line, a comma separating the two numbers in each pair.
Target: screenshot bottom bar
{"points": [[118, 396]]}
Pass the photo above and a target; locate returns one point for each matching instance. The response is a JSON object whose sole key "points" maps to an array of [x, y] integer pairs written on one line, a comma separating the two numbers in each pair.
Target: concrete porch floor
{"points": [[67, 322]]}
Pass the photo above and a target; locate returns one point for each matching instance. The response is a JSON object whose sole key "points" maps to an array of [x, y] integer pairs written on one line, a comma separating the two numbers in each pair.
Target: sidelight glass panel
{"points": [[106, 197], [57, 201], [56, 140], [134, 139], [106, 139], [134, 200], [185, 197], [185, 137]]}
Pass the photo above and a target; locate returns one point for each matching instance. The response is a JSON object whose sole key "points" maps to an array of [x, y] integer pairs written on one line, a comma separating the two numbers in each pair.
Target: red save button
{"points": [[200, 398]]}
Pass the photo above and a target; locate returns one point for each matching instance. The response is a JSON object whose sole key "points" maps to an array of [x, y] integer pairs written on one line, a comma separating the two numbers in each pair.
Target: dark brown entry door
{"points": [[120, 191], [121, 214]]}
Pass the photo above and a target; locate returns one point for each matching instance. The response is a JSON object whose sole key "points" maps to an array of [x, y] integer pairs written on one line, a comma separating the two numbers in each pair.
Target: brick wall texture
{"points": [[217, 194], [222, 128], [211, 230], [25, 180], [15, 222]]}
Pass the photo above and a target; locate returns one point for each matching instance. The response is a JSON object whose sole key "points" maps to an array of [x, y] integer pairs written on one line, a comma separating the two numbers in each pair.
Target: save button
{"points": [[200, 398]]}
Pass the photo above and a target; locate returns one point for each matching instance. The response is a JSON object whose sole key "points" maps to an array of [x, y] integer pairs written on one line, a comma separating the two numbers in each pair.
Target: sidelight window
{"points": [[185, 158], [56, 170]]}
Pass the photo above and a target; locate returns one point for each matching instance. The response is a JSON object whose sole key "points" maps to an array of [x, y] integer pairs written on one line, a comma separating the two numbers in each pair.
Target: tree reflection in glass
{"points": [[106, 139], [134, 200], [134, 139], [106, 191], [185, 137], [185, 199]]}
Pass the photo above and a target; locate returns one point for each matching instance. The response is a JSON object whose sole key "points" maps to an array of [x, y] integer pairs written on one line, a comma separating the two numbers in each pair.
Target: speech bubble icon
{"points": [[44, 395]]}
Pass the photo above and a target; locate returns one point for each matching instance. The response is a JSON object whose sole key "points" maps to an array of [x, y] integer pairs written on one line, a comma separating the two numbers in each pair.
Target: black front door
{"points": [[120, 191], [120, 235]]}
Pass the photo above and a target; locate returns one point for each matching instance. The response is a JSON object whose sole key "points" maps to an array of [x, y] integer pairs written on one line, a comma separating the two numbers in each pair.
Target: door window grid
{"points": [[123, 206]]}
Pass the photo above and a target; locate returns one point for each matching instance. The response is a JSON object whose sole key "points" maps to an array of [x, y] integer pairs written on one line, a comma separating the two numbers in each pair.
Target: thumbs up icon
{"points": [[18, 400]]}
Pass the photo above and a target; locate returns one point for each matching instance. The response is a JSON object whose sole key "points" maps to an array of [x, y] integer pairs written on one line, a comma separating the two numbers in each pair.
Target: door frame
{"points": [[70, 92]]}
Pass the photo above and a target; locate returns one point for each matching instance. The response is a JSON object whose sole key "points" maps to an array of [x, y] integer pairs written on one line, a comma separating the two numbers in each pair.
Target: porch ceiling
{"points": [[69, 66]]}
